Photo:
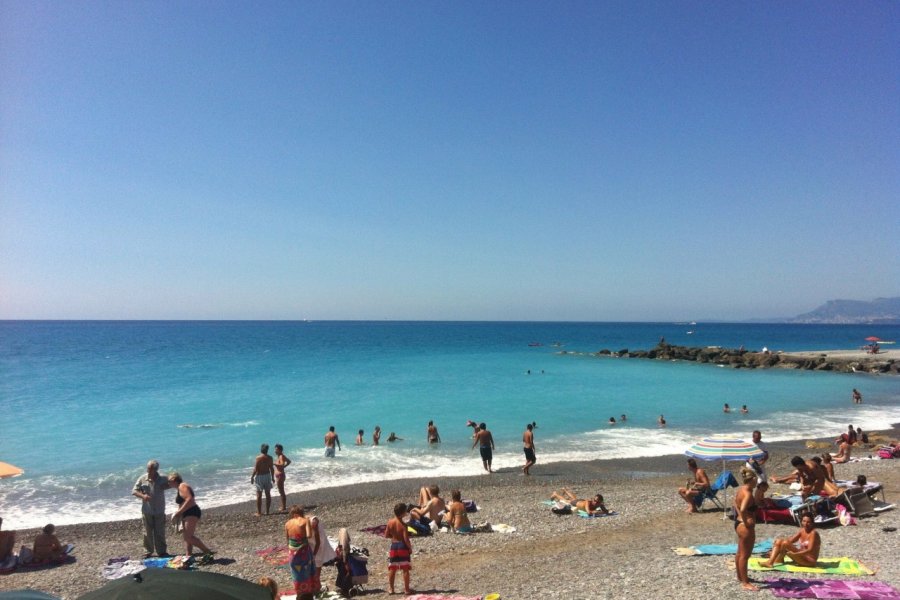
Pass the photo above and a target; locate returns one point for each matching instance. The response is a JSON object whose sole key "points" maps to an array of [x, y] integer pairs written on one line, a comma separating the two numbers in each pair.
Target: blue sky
{"points": [[452, 160]]}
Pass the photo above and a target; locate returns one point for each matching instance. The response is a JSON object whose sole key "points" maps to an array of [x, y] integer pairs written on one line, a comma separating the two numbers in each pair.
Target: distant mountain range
{"points": [[881, 310]]}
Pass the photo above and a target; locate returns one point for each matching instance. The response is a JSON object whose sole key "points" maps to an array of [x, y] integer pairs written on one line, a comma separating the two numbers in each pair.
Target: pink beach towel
{"points": [[831, 588], [277, 556], [376, 530], [441, 597]]}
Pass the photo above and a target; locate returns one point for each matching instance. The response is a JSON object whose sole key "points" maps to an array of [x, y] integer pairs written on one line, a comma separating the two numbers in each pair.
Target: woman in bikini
{"points": [[843, 454], [456, 512], [745, 525], [803, 548], [188, 512], [281, 461]]}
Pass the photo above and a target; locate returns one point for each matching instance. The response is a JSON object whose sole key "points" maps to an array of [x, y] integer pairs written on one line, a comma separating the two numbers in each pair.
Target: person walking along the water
{"points": [[485, 441], [151, 489], [281, 463], [262, 477], [528, 444], [331, 439]]}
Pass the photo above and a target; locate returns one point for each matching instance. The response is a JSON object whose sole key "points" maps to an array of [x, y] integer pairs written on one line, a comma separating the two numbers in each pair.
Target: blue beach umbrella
{"points": [[724, 448]]}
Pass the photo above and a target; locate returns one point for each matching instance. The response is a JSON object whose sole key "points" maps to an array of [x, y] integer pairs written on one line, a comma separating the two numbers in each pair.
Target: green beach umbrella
{"points": [[174, 584]]}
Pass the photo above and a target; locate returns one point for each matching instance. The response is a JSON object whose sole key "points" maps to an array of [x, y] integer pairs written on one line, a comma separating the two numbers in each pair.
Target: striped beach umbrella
{"points": [[724, 448]]}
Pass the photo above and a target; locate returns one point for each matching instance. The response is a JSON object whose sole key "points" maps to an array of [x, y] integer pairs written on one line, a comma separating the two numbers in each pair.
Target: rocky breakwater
{"points": [[843, 362]]}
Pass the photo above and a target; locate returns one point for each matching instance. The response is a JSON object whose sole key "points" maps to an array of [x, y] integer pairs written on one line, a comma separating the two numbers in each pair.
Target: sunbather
{"points": [[694, 488], [811, 479], [46, 546], [803, 547], [431, 505], [843, 454], [456, 513], [592, 506]]}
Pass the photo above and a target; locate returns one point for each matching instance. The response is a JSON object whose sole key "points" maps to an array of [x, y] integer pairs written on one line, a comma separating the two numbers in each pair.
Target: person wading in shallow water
{"points": [[485, 441]]}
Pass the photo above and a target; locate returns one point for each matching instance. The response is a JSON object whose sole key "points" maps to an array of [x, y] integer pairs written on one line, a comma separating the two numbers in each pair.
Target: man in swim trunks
{"points": [[262, 477], [401, 548], [695, 488], [151, 489], [528, 447], [485, 441], [811, 479], [331, 438]]}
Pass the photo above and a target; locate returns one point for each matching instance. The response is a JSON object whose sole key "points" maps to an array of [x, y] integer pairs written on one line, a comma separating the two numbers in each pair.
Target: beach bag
{"points": [[885, 453], [470, 506], [844, 516], [419, 528]]}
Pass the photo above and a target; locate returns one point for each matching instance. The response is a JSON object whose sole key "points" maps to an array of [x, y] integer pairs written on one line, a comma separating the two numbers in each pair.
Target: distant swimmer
{"points": [[612, 420], [393, 438], [744, 409], [331, 440], [433, 436], [485, 441], [623, 418], [662, 421], [857, 397], [262, 477], [359, 438], [726, 408]]}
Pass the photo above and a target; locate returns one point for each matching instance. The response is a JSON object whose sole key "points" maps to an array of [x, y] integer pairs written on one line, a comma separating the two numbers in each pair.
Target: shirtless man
{"points": [[693, 489], [401, 548], [331, 438], [376, 435], [433, 436], [592, 506], [762, 482], [47, 546], [857, 397], [528, 447], [431, 505], [485, 441], [811, 479], [262, 477]]}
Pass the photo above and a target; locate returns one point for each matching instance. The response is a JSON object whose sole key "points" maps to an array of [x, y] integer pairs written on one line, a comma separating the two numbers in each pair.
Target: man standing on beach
{"points": [[762, 482], [528, 443], [262, 477], [331, 438], [485, 441], [151, 489]]}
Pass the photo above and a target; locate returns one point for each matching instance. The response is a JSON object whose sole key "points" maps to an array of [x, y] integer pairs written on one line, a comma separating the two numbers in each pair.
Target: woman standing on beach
{"points": [[188, 512], [281, 461], [745, 526], [299, 534]]}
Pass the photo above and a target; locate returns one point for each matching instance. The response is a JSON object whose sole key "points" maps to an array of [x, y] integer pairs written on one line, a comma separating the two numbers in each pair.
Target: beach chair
{"points": [[857, 502], [726, 479]]}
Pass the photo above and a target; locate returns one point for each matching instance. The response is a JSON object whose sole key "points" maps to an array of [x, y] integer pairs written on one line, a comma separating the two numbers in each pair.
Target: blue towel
{"points": [[762, 547]]}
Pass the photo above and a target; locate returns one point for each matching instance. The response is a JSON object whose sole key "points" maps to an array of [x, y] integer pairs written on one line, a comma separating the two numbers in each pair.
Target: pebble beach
{"points": [[628, 555]]}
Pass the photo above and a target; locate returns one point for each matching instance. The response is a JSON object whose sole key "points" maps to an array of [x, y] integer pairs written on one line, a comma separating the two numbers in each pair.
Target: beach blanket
{"points": [[156, 563], [831, 588], [586, 515], [763, 547], [277, 556], [376, 530], [118, 569], [441, 597], [833, 566], [501, 528]]}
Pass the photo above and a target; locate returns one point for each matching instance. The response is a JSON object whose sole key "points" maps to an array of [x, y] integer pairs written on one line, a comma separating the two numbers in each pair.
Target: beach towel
{"points": [[831, 588], [156, 563], [441, 597], [833, 566], [586, 515], [501, 528], [118, 569], [277, 556], [376, 530], [763, 547]]}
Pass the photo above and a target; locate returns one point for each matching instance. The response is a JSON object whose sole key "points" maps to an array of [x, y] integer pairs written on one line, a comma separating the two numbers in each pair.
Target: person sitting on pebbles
{"points": [[456, 515], [431, 505], [592, 506], [695, 488], [47, 546]]}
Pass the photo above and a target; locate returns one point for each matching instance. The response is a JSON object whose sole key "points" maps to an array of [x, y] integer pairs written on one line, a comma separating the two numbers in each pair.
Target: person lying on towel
{"points": [[592, 506]]}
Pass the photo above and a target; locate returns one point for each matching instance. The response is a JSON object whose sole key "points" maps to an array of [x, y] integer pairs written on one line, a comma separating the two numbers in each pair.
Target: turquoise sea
{"points": [[84, 405]]}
